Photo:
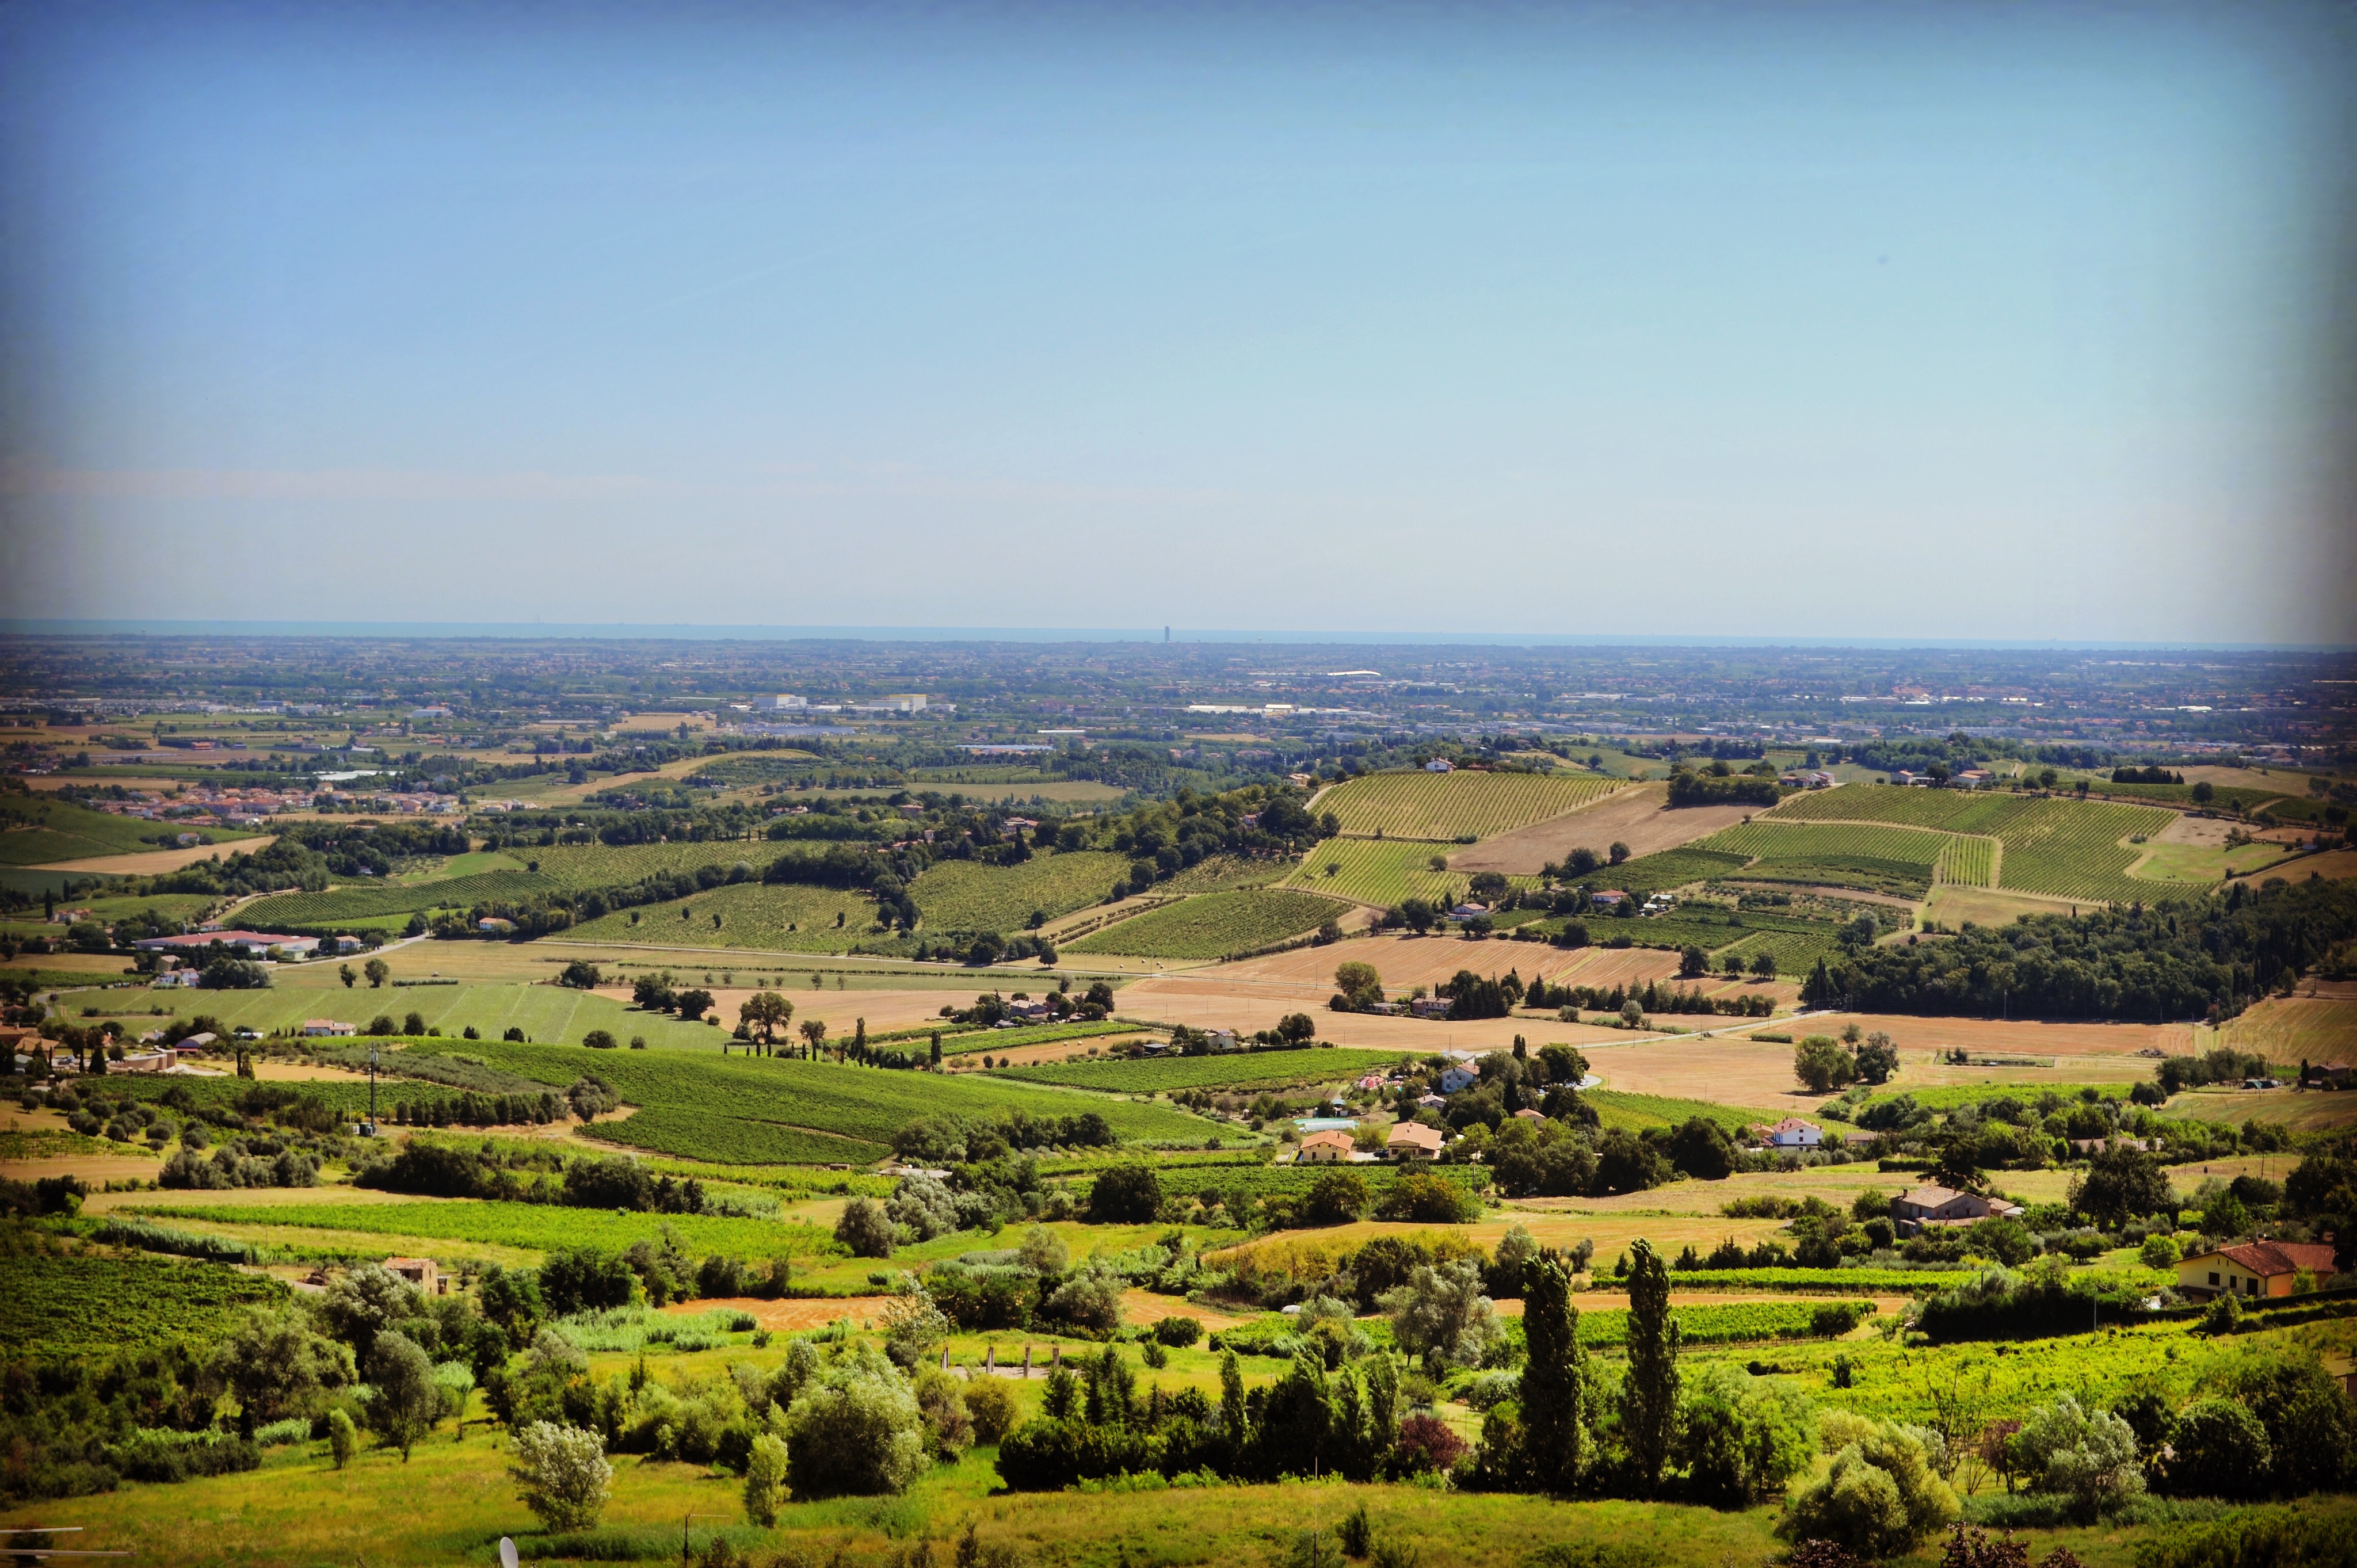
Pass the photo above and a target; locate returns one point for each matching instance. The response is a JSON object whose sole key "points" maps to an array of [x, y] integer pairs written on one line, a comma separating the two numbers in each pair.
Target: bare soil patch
{"points": [[150, 863], [1145, 1306], [1637, 817], [92, 1168]]}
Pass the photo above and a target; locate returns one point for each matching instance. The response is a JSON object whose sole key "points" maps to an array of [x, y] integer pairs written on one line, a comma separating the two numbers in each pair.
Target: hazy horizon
{"points": [[1948, 326]]}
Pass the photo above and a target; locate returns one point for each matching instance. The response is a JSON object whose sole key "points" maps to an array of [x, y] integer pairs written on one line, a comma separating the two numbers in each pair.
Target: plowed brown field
{"points": [[1637, 817]]}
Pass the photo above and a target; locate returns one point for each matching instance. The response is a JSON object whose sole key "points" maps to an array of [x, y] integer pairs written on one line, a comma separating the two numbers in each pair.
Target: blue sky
{"points": [[1927, 320]]}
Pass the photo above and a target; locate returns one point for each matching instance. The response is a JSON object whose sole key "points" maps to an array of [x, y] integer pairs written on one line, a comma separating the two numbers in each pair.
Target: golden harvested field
{"points": [[1406, 961], [1611, 1232], [2320, 1024], [1255, 993], [1730, 1069], [153, 861], [1639, 817], [790, 1317], [2310, 1110], [2334, 866], [100, 967], [94, 1169], [2029, 1038], [248, 1197]]}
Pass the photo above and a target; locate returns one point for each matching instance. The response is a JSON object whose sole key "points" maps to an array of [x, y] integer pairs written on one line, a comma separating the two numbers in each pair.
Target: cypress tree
{"points": [[1555, 1438], [1649, 1396]]}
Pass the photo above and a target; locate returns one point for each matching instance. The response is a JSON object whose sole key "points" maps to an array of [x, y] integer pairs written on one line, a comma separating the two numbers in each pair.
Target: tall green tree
{"points": [[1555, 1436], [1649, 1394]]}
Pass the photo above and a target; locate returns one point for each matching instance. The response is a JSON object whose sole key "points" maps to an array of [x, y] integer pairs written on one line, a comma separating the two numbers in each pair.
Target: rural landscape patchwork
{"points": [[865, 1103]]}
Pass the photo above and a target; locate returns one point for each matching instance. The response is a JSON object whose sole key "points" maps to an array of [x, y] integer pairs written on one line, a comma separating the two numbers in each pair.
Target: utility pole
{"points": [[373, 1091]]}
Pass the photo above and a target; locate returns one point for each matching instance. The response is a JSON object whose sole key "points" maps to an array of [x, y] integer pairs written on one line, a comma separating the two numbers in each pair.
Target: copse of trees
{"points": [[2210, 957]]}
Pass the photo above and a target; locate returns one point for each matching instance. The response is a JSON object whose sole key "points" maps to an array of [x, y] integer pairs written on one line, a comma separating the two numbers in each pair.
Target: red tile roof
{"points": [[2267, 1258]]}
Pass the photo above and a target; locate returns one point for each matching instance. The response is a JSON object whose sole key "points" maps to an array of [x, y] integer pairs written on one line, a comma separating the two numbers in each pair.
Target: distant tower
{"points": [[1166, 634]]}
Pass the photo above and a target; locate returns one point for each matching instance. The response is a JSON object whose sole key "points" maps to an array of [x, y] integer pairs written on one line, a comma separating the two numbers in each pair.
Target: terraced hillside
{"points": [[1447, 808]]}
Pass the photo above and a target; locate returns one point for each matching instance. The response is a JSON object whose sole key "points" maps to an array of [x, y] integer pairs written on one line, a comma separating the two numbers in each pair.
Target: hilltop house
{"points": [[1792, 1132]]}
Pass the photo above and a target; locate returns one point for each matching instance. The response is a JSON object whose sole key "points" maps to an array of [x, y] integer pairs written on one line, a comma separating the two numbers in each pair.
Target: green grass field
{"points": [[1795, 952], [1671, 869], [1638, 1111], [36, 829], [1233, 1070], [1949, 811], [967, 896], [1214, 925], [753, 917], [1448, 806], [559, 868], [532, 1226], [550, 1014], [700, 1094], [1836, 842], [68, 1306], [1377, 871]]}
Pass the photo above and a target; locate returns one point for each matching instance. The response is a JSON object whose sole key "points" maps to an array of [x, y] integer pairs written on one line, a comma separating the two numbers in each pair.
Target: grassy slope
{"points": [[866, 1103], [754, 917], [39, 830]]}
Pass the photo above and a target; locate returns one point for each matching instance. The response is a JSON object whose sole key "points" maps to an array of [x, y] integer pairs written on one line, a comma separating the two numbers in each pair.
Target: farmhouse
{"points": [[1939, 1207], [177, 977], [1324, 1149], [1430, 1007], [329, 1026], [1792, 1132], [2252, 1268], [1608, 898], [1455, 1079], [421, 1273], [1440, 765], [1412, 1141]]}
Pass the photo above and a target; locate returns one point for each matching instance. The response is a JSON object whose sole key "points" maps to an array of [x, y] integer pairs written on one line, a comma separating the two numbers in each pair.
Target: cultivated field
{"points": [[1237, 1070], [1638, 816], [1213, 924], [777, 917], [38, 830], [1446, 807], [2077, 849], [1382, 872], [967, 896]]}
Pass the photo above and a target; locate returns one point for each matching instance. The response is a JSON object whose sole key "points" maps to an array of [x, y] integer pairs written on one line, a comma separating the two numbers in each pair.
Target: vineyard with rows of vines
{"points": [[1450, 807], [1967, 862], [64, 1306], [968, 895], [1215, 925], [1378, 871], [2077, 849], [775, 917]]}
